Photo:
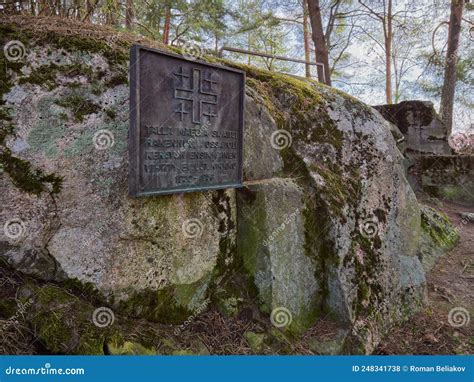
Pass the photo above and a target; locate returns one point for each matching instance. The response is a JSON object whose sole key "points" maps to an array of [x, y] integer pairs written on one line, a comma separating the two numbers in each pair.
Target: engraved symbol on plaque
{"points": [[196, 88]]}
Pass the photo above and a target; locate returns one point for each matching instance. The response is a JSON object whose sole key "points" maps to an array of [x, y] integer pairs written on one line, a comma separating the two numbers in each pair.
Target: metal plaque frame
{"points": [[137, 188]]}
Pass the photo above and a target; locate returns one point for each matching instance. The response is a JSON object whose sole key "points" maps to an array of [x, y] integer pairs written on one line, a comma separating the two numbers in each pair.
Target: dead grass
{"points": [[44, 26], [15, 335]]}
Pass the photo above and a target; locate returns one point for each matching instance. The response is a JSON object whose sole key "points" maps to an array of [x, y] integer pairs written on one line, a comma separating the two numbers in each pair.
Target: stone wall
{"points": [[420, 124], [432, 165], [448, 177]]}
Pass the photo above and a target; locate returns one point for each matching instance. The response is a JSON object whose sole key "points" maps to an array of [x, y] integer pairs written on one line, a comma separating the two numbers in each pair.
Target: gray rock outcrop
{"points": [[326, 223]]}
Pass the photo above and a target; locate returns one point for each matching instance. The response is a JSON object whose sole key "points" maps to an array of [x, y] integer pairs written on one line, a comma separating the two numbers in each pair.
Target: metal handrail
{"points": [[267, 55]]}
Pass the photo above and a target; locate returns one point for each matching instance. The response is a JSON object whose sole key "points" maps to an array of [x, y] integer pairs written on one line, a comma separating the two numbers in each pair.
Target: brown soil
{"points": [[450, 285]]}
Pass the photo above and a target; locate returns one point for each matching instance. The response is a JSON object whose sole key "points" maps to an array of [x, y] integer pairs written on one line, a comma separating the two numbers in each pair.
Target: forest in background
{"points": [[381, 51]]}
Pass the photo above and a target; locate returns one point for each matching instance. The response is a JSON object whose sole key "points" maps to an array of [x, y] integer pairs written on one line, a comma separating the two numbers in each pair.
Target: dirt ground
{"points": [[450, 286]]}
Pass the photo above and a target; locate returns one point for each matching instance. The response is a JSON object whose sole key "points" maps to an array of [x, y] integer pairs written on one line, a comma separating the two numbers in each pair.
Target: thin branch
{"points": [[434, 35]]}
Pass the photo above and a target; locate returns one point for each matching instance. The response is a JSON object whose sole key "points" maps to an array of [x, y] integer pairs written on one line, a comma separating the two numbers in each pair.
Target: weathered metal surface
{"points": [[274, 56], [186, 124]]}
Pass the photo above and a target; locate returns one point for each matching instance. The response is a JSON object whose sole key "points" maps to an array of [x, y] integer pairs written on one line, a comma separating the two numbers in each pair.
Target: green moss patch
{"points": [[22, 173], [164, 305], [46, 75], [64, 324], [26, 178], [437, 225], [79, 105]]}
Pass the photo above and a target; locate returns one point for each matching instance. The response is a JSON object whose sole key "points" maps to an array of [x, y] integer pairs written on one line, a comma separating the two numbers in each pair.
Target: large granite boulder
{"points": [[359, 216], [65, 203], [326, 223]]}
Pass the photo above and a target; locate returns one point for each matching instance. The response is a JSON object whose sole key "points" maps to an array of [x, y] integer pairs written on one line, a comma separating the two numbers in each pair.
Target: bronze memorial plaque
{"points": [[186, 124]]}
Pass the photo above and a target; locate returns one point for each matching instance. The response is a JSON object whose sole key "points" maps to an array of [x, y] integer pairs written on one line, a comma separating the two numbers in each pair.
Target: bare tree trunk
{"points": [[77, 9], [249, 47], [388, 32], [111, 13], [166, 28], [49, 8], [89, 9], [319, 40], [449, 84], [129, 14], [307, 51]]}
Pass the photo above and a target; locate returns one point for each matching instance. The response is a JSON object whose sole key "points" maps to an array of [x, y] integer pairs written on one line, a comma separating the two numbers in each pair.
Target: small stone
{"points": [[430, 338]]}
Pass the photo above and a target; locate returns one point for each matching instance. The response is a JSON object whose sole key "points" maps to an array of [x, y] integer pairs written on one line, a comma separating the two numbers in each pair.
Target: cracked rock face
{"points": [[91, 230]]}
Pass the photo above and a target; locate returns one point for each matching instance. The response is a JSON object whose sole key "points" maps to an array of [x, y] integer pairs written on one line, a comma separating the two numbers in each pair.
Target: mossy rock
{"points": [[438, 235], [342, 167], [438, 226], [63, 323], [128, 348]]}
